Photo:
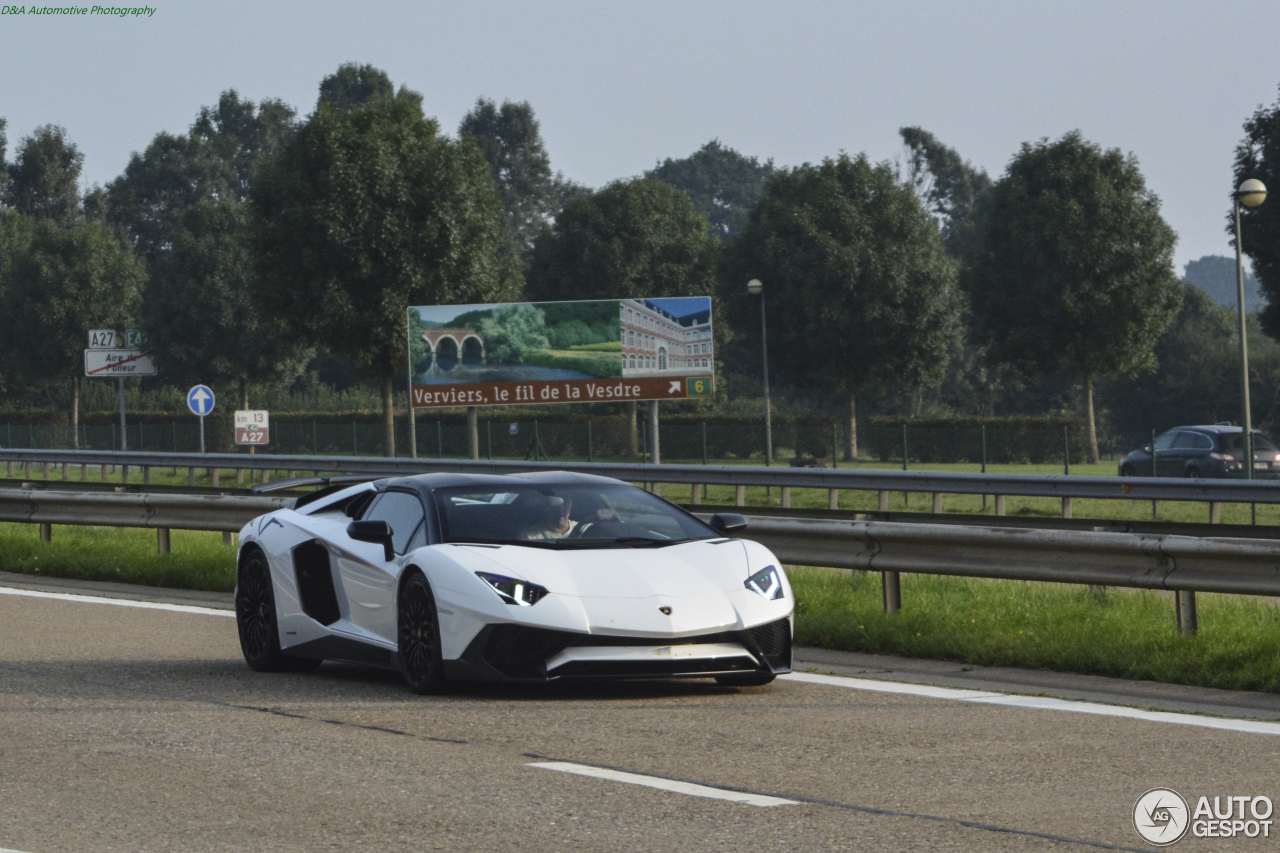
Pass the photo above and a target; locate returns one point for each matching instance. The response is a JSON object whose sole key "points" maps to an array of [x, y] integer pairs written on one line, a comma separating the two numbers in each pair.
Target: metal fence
{"points": [[608, 438]]}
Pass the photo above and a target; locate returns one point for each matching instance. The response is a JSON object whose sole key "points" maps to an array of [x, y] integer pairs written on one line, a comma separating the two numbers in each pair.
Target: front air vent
{"points": [[773, 640], [520, 652]]}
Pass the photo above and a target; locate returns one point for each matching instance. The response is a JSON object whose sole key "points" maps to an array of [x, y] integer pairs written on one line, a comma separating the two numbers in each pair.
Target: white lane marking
{"points": [[661, 784], [7, 850], [983, 697], [119, 602]]}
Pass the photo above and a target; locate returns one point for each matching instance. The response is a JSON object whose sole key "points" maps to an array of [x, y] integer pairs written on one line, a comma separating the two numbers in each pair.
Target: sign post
{"points": [[102, 358], [200, 401], [252, 427]]}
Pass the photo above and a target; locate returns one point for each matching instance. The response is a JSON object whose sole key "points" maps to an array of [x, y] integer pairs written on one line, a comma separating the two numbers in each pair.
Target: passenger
{"points": [[555, 522], [592, 509]]}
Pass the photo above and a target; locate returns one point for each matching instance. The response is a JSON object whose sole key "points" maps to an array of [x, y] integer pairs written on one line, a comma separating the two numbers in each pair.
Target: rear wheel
{"points": [[419, 637], [750, 679], [256, 620], [1193, 473]]}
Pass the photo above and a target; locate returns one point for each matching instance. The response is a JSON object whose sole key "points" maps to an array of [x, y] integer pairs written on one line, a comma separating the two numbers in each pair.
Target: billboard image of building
{"points": [[560, 352], [667, 336]]}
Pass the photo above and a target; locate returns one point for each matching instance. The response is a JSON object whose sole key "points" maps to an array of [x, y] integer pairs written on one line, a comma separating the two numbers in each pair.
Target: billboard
{"points": [[561, 352]]}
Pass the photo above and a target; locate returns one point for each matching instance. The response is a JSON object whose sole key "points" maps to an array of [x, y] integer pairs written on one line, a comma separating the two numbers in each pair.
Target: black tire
{"points": [[748, 679], [1193, 473], [418, 633], [1126, 471], [256, 619]]}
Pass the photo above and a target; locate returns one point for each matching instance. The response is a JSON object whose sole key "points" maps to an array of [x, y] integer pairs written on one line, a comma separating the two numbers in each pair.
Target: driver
{"points": [[554, 523]]}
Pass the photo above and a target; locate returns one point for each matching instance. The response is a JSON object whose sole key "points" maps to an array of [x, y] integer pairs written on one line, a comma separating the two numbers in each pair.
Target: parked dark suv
{"points": [[1204, 451]]}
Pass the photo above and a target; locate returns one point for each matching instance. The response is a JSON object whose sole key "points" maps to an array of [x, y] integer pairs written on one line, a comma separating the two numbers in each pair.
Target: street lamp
{"points": [[1251, 194], [756, 288]]}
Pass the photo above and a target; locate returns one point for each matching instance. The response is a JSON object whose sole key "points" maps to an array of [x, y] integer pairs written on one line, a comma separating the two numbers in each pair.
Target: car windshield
{"points": [[564, 516], [1260, 443]]}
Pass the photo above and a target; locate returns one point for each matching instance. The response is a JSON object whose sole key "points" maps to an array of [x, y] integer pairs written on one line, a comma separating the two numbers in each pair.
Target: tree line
{"points": [[260, 239]]}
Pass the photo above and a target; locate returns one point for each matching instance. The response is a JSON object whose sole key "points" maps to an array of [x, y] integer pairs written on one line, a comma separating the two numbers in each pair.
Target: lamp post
{"points": [[756, 288], [1251, 194]]}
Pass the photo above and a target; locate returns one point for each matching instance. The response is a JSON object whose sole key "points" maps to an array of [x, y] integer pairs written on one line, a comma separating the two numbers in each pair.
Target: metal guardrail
{"points": [[1158, 561], [224, 513], [1138, 560], [1022, 485], [1142, 560]]}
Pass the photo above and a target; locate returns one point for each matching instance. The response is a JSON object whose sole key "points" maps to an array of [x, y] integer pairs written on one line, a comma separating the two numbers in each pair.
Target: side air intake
{"points": [[314, 577]]}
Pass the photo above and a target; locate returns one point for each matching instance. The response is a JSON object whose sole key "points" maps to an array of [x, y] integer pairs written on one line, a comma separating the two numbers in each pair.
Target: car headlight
{"points": [[767, 582], [514, 591]]}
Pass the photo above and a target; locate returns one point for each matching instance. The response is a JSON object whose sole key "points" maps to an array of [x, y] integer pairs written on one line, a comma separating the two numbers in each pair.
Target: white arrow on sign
{"points": [[675, 387], [200, 400]]}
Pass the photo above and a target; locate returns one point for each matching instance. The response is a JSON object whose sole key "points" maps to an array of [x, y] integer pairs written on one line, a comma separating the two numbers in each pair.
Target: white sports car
{"points": [[515, 578]]}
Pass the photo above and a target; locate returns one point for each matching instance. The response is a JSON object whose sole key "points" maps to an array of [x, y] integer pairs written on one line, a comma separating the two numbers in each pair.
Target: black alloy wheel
{"points": [[419, 637], [256, 620], [746, 679]]}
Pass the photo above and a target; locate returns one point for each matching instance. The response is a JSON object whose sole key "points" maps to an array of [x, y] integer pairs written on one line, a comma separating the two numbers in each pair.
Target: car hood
{"points": [[692, 568], [623, 589]]}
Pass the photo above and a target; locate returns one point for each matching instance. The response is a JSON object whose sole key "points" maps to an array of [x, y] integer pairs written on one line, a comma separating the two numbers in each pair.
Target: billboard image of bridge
{"points": [[561, 352]]}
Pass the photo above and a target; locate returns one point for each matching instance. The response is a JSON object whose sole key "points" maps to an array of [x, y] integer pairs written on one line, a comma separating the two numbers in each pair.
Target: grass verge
{"points": [[1122, 633], [196, 560]]}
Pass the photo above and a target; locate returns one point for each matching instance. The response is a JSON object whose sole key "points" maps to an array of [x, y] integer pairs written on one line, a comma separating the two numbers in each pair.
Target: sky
{"points": [[620, 86]]}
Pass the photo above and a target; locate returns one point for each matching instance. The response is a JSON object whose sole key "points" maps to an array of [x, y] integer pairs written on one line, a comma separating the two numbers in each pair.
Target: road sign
{"points": [[636, 349], [136, 339], [200, 400], [252, 427], [102, 339], [118, 363]]}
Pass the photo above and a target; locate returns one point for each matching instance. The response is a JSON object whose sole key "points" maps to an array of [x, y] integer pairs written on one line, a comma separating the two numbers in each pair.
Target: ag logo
{"points": [[1161, 816]]}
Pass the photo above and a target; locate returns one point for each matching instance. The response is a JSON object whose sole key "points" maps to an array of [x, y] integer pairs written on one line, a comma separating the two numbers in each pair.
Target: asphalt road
{"points": [[141, 729]]}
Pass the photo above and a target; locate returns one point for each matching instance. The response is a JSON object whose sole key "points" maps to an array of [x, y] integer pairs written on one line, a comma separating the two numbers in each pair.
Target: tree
{"points": [[1258, 156], [60, 282], [365, 212], [353, 85], [511, 142], [202, 311], [723, 184], [214, 161], [860, 290], [1216, 275], [44, 177], [4, 147], [1075, 266], [632, 239], [951, 187], [184, 203], [513, 331], [1197, 375]]}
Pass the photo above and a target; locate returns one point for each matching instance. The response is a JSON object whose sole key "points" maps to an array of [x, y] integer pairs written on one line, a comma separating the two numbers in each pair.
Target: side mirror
{"points": [[376, 532], [728, 522]]}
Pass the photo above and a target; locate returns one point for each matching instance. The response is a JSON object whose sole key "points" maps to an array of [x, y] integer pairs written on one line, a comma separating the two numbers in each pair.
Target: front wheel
{"points": [[419, 637], [256, 620], [1127, 471]]}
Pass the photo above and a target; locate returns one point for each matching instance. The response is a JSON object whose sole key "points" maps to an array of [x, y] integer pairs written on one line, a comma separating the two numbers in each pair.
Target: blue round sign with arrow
{"points": [[200, 400]]}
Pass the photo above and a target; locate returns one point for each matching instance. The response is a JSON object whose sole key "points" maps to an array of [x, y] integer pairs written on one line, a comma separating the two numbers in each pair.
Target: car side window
{"points": [[403, 511], [1186, 441], [1165, 442], [1203, 442]]}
